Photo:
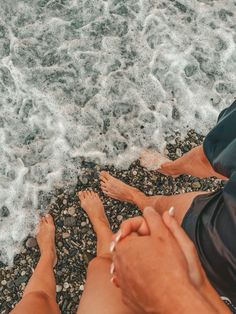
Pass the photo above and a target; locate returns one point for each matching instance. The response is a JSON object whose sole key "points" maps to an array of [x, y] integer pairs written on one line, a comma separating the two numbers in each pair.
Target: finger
{"points": [[117, 237], [115, 281], [137, 224], [187, 247], [154, 221]]}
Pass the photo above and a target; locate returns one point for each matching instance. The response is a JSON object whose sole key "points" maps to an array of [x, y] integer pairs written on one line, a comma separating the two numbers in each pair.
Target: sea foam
{"points": [[101, 80]]}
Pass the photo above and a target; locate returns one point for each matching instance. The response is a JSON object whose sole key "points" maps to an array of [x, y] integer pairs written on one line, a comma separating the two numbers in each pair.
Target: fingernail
{"points": [[112, 280], [112, 246], [118, 236], [171, 211], [47, 215], [112, 268]]}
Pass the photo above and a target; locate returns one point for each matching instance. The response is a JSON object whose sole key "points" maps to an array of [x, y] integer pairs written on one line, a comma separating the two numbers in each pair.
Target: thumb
{"points": [[154, 221]]}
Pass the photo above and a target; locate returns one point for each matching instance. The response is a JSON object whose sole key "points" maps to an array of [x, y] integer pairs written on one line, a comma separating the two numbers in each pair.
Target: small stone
{"points": [[196, 185], [83, 223], [58, 288], [70, 221], [178, 152], [119, 217], [64, 202], [31, 242], [65, 235], [83, 180], [60, 244], [81, 288], [135, 172], [21, 280], [66, 285], [71, 211], [3, 282], [4, 212]]}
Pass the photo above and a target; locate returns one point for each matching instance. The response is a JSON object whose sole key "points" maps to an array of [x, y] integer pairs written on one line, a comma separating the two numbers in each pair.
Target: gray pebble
{"points": [[70, 222], [31, 242], [58, 288], [65, 235], [71, 211], [119, 217]]}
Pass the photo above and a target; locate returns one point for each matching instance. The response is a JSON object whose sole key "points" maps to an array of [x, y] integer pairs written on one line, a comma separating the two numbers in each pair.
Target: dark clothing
{"points": [[211, 219]]}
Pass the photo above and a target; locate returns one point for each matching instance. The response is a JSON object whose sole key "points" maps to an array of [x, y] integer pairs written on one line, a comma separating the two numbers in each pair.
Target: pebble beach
{"points": [[75, 238]]}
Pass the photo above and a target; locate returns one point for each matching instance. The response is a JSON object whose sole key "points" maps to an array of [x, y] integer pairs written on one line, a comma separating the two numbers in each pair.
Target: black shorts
{"points": [[211, 219]]}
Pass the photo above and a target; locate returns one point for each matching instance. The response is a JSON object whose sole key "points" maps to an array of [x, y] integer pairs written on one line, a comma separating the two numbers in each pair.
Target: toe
{"points": [[79, 194], [49, 219], [82, 195], [104, 175]]}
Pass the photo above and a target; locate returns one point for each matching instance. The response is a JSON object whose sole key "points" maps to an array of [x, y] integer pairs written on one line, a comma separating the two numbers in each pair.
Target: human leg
{"points": [[100, 296], [124, 192], [194, 163], [41, 288]]}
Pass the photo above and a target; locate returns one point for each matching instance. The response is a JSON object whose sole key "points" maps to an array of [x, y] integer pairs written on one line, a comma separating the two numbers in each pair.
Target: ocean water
{"points": [[100, 80]]}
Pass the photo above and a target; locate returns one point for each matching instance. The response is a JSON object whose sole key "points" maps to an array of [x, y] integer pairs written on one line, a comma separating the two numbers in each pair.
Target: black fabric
{"points": [[211, 219], [220, 144]]}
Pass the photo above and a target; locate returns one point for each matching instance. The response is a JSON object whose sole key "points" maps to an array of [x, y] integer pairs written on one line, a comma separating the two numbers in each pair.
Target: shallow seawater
{"points": [[100, 80]]}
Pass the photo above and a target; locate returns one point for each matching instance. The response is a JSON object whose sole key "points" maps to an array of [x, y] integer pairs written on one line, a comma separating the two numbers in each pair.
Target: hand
{"points": [[150, 268], [139, 226]]}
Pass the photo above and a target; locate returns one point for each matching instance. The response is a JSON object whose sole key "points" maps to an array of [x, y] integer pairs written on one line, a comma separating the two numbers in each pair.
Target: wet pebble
{"points": [[31, 242]]}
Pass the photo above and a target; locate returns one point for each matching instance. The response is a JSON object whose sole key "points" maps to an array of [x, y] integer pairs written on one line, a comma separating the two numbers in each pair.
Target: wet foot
{"points": [[119, 190], [46, 238], [155, 161], [92, 205]]}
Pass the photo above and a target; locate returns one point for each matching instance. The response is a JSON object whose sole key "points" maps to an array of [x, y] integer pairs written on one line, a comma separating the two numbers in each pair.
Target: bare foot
{"points": [[46, 237], [155, 161], [118, 189], [94, 208], [92, 205]]}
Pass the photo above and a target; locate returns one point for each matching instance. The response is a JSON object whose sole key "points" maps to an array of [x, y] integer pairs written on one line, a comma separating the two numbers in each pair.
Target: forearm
{"points": [[213, 298], [185, 299]]}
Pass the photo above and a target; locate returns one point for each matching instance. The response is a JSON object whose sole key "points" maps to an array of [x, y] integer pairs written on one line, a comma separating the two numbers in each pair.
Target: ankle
{"points": [[100, 223], [171, 168], [140, 199], [48, 254]]}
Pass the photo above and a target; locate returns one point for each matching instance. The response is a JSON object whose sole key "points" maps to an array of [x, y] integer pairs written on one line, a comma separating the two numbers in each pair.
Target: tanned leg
{"points": [[123, 192], [100, 296], [193, 163], [40, 292]]}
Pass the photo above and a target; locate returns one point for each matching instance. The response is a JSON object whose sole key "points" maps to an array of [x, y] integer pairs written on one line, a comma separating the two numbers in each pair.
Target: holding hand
{"points": [[161, 261]]}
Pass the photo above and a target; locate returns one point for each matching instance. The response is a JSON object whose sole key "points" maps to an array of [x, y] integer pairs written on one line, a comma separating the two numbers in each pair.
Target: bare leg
{"points": [[124, 192], [40, 292], [100, 295], [194, 163]]}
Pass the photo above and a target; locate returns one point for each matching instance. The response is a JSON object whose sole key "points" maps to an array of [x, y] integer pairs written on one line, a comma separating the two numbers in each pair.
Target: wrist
{"points": [[183, 298]]}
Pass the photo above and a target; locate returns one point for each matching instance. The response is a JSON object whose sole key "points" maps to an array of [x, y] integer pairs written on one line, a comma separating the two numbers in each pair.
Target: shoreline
{"points": [[75, 238]]}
